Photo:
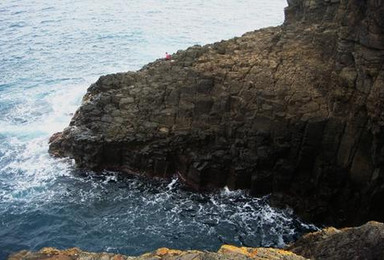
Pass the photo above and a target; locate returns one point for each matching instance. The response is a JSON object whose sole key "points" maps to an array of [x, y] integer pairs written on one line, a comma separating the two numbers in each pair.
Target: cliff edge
{"points": [[364, 242], [295, 110]]}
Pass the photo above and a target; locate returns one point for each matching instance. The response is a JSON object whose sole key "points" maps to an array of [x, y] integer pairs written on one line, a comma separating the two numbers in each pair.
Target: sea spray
{"points": [[50, 53]]}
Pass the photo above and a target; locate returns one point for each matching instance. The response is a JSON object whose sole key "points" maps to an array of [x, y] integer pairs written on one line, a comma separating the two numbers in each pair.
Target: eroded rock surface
{"points": [[226, 252], [363, 243], [296, 111]]}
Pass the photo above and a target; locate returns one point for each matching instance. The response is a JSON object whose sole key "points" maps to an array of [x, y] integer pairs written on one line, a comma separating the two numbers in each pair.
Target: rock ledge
{"points": [[295, 110], [363, 243]]}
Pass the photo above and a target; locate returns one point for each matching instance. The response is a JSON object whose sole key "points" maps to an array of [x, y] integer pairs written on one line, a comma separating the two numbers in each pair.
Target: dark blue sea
{"points": [[50, 52]]}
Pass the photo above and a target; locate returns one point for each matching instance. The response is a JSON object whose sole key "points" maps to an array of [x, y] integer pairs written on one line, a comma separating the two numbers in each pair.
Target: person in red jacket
{"points": [[168, 56]]}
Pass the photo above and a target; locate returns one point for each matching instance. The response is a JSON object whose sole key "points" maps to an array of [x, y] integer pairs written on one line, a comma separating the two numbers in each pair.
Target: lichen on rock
{"points": [[364, 242], [226, 252]]}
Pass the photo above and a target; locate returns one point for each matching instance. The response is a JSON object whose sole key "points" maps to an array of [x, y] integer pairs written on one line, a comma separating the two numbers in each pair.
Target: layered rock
{"points": [[365, 242], [296, 111]]}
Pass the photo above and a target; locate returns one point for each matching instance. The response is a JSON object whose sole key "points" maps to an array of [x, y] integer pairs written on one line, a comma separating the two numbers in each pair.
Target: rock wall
{"points": [[296, 111]]}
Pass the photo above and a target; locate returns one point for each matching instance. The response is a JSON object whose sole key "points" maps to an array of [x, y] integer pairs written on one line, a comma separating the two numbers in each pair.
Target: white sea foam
{"points": [[51, 52]]}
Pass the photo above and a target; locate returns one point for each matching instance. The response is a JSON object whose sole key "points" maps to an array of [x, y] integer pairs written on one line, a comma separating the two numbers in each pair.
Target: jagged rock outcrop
{"points": [[363, 243], [296, 111], [226, 252]]}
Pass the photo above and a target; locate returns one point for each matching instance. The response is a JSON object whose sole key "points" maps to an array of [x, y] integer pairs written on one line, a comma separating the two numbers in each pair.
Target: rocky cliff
{"points": [[365, 242], [296, 111]]}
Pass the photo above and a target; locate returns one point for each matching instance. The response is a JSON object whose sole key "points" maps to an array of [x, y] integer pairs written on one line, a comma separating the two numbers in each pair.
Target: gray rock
{"points": [[364, 242], [295, 110]]}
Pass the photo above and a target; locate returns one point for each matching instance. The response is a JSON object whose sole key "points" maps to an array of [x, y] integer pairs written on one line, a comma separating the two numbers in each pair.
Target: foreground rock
{"points": [[225, 253], [296, 111], [363, 243]]}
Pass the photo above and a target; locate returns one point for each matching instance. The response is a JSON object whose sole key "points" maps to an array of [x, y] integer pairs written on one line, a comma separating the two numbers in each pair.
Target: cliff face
{"points": [[296, 111]]}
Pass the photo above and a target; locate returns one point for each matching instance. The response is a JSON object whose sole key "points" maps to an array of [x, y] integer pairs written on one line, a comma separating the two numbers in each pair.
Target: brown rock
{"points": [[364, 242], [225, 253]]}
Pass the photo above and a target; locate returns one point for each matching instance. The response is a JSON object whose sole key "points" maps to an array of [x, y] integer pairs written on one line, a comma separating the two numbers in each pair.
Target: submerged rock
{"points": [[296, 111]]}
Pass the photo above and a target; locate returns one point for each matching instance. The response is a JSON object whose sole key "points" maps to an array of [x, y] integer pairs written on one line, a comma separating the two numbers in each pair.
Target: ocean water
{"points": [[50, 52]]}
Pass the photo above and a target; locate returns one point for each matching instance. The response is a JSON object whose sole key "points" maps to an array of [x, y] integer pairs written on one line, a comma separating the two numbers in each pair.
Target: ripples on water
{"points": [[132, 216], [50, 51]]}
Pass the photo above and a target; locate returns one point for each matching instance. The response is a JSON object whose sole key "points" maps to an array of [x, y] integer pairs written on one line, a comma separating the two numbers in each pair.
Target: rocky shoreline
{"points": [[296, 111], [364, 242]]}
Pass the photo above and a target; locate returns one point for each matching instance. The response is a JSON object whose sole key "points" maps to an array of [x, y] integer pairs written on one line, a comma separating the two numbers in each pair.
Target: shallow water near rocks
{"points": [[50, 52], [132, 215]]}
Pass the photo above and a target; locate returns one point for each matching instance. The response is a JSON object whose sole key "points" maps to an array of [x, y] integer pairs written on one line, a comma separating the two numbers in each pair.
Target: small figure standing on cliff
{"points": [[168, 56]]}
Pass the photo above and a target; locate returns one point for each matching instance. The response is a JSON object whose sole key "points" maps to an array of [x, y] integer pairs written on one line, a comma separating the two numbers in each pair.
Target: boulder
{"points": [[364, 242]]}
